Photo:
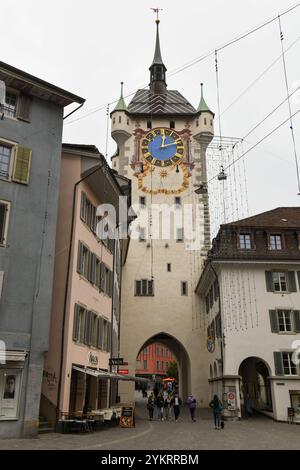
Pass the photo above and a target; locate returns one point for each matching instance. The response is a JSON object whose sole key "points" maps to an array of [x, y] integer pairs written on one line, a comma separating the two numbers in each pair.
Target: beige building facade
{"points": [[162, 140]]}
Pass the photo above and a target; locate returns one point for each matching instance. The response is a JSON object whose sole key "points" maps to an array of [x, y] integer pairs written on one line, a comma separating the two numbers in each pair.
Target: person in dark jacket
{"points": [[192, 403], [151, 405], [217, 408], [160, 406], [176, 403], [167, 406]]}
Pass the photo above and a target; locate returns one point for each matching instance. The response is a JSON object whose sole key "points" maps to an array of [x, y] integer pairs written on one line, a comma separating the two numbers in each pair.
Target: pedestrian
{"points": [[160, 406], [176, 403], [217, 408], [192, 403], [248, 406], [151, 405], [167, 406], [156, 392]]}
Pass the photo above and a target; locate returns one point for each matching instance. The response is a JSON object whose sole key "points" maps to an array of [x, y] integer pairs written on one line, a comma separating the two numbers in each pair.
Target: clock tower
{"points": [[161, 146]]}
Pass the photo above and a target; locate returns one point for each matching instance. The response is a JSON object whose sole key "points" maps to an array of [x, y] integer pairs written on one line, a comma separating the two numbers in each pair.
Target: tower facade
{"points": [[162, 141]]}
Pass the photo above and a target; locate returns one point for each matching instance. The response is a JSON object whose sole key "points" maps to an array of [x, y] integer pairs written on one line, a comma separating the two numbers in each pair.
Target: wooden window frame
{"points": [[13, 146], [283, 245]]}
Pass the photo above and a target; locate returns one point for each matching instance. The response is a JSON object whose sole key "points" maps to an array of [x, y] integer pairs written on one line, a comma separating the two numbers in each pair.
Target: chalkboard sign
{"points": [[127, 417]]}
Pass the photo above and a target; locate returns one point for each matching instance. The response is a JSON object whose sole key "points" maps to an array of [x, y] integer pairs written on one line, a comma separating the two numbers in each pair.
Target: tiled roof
{"points": [[145, 102], [281, 217]]}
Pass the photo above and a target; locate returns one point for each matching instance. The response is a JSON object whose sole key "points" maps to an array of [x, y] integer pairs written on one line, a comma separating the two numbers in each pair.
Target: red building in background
{"points": [[154, 360]]}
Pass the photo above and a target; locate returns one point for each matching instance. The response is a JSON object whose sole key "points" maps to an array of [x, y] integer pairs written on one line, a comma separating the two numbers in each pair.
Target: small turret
{"points": [[120, 127], [204, 121]]}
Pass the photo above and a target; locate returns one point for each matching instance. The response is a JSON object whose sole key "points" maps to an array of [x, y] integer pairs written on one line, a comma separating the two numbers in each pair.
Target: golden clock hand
{"points": [[167, 145]]}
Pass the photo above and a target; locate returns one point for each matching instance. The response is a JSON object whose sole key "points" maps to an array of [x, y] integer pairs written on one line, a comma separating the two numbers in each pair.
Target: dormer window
{"points": [[149, 125], [245, 241], [275, 242]]}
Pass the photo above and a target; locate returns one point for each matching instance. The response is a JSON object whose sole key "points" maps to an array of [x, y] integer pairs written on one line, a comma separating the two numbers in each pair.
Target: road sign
{"points": [[123, 372], [116, 361]]}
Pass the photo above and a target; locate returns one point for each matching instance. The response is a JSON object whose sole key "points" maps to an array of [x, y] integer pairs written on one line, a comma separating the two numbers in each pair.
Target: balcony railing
{"points": [[9, 111]]}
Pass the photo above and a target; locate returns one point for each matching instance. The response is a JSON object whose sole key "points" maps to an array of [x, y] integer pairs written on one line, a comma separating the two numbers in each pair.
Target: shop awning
{"points": [[102, 374]]}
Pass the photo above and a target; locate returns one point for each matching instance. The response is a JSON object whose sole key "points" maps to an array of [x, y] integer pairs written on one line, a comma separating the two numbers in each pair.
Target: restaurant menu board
{"points": [[127, 417]]}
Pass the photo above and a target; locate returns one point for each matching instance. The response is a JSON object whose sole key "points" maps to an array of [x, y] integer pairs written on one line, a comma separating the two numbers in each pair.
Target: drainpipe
{"points": [[67, 289]]}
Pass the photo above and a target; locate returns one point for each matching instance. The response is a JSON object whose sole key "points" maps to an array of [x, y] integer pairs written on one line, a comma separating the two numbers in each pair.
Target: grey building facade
{"points": [[31, 119]]}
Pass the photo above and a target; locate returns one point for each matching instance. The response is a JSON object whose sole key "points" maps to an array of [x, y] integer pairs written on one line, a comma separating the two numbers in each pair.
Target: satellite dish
{"points": [[2, 92]]}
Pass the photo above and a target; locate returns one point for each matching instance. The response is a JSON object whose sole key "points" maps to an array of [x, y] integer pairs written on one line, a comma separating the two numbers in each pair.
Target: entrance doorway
{"points": [[255, 386]]}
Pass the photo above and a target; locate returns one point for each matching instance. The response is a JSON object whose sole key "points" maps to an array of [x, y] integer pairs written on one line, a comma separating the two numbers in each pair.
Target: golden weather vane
{"points": [[157, 10]]}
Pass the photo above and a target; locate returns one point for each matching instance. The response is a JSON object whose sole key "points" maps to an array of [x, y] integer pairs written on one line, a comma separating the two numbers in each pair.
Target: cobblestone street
{"points": [[256, 433]]}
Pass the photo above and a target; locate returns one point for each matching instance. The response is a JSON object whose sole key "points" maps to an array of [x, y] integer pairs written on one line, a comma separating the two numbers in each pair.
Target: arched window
{"points": [[210, 372]]}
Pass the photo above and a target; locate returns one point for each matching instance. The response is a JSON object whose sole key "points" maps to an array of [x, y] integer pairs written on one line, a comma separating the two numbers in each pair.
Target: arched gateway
{"points": [[162, 141]]}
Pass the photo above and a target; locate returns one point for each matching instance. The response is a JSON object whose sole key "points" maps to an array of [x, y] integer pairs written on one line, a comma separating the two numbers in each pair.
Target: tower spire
{"points": [[202, 105], [121, 105], [157, 68]]}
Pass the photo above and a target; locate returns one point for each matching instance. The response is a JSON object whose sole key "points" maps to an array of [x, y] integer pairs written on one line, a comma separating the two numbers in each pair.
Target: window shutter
{"points": [[297, 321], [278, 363], [292, 281], [22, 162], [298, 273], [24, 107], [79, 257], [1, 282], [92, 268], [274, 321], [88, 327], [102, 276], [108, 337], [83, 207], [269, 281], [76, 322], [3, 211], [111, 279], [150, 287], [138, 287], [100, 333]]}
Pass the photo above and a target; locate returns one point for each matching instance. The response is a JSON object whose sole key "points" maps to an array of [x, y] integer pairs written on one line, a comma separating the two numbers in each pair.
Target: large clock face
{"points": [[162, 147]]}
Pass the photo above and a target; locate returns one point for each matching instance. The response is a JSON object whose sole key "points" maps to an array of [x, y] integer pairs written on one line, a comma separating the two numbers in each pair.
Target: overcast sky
{"points": [[89, 47]]}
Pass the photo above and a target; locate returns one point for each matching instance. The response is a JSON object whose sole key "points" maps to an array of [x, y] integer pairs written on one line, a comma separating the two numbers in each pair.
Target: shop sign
{"points": [[127, 417], [124, 371], [93, 359], [231, 400]]}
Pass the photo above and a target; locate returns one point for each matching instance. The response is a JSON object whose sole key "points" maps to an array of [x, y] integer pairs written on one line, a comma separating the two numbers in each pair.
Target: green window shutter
{"points": [[111, 276], [297, 321], [278, 361], [76, 322], [79, 257], [269, 281], [138, 285], [22, 162], [87, 327], [274, 321], [24, 107], [292, 281], [298, 274]]}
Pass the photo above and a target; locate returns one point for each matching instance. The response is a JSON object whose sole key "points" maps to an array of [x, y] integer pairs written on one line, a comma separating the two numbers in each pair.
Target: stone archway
{"points": [[255, 383], [126, 389], [182, 359]]}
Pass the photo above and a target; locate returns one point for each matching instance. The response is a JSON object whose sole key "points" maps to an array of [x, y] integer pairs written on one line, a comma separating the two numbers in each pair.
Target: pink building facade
{"points": [[84, 330]]}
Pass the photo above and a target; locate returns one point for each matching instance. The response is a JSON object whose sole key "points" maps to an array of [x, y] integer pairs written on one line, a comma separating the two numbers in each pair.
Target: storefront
{"points": [[11, 377]]}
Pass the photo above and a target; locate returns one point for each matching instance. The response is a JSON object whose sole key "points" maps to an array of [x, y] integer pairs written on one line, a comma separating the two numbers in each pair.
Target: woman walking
{"points": [[151, 405], [217, 408], [192, 403], [160, 406]]}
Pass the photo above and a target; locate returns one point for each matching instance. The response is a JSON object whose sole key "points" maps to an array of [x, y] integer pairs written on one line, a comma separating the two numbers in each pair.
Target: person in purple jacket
{"points": [[192, 403]]}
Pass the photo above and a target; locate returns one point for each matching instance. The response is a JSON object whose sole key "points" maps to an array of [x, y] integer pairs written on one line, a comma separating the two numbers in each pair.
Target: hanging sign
{"points": [[127, 417]]}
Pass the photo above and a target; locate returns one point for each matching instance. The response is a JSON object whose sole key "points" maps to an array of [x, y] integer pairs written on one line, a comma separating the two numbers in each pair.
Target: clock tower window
{"points": [[149, 125], [172, 124]]}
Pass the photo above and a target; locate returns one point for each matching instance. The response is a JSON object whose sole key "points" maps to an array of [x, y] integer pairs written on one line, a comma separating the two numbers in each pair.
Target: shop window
{"points": [[10, 385]]}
